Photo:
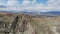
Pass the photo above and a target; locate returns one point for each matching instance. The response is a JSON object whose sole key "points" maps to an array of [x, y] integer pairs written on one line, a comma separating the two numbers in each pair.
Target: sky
{"points": [[30, 5]]}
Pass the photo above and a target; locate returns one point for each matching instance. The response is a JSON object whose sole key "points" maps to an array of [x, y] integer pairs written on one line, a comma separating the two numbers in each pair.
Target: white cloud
{"points": [[34, 1], [12, 3], [52, 5], [54, 2], [2, 2], [26, 2]]}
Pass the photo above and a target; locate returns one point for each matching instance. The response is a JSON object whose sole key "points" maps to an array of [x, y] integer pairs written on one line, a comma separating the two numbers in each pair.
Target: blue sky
{"points": [[21, 1], [36, 5]]}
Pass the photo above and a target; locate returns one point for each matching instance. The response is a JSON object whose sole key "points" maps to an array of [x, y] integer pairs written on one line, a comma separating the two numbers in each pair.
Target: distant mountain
{"points": [[51, 13], [34, 12], [21, 12], [2, 6]]}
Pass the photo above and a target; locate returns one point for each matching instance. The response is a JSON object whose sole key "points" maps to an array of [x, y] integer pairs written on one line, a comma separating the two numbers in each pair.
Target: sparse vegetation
{"points": [[18, 24]]}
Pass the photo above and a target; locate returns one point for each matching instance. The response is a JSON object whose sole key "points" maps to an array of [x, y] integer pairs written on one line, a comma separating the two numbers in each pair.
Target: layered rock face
{"points": [[29, 24]]}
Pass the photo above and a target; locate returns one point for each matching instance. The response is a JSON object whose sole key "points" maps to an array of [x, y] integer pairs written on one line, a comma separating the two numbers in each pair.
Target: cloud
{"points": [[54, 2], [2, 2], [12, 3], [51, 5], [34, 1], [25, 2]]}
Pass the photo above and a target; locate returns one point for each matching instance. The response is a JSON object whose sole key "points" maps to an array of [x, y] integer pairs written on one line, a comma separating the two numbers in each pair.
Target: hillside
{"points": [[11, 23]]}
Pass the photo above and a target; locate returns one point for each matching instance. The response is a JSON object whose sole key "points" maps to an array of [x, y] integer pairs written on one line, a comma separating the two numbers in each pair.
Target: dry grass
{"points": [[40, 24]]}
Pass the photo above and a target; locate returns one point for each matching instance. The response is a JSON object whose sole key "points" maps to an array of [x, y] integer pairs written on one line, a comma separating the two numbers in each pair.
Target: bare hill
{"points": [[29, 24]]}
